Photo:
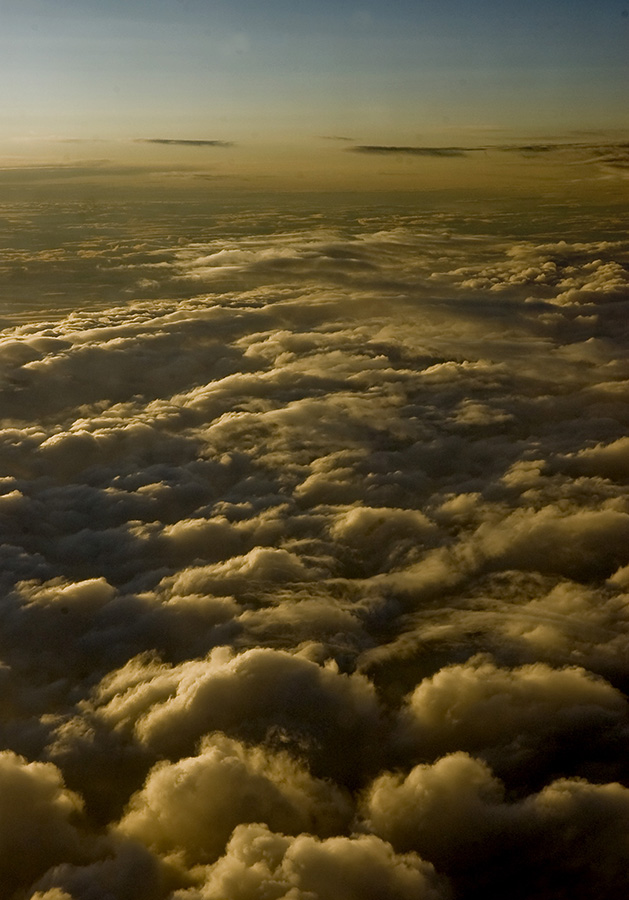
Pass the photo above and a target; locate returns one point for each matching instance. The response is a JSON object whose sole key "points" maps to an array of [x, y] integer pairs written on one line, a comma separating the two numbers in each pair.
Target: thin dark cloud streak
{"points": [[180, 142], [412, 151], [612, 153], [336, 137]]}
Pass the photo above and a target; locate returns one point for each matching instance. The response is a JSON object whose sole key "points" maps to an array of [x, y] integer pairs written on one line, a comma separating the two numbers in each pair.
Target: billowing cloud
{"points": [[455, 813], [521, 719], [314, 539], [194, 805], [260, 864], [37, 820], [330, 716]]}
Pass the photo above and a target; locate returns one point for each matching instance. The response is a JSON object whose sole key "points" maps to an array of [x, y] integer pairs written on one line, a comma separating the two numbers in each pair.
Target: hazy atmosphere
{"points": [[314, 481]]}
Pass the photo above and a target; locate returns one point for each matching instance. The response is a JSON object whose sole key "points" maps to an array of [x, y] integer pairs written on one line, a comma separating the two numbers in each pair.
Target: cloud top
{"points": [[314, 552]]}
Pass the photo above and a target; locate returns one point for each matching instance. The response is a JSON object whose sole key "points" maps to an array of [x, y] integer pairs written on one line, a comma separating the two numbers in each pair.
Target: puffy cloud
{"points": [[561, 273], [193, 806], [262, 564], [261, 693], [439, 807], [259, 864], [125, 870], [378, 537], [456, 815], [521, 719], [294, 497], [39, 821], [606, 460], [586, 543]]}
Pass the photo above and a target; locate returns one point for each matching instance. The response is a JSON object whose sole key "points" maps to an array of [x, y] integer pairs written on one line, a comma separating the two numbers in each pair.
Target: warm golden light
{"points": [[313, 501]]}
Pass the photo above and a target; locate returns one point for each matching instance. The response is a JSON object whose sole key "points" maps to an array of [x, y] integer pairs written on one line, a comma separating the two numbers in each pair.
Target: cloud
{"points": [[335, 137], [326, 715], [126, 870], [382, 538], [38, 820], [258, 861], [456, 815], [535, 148], [609, 156], [184, 143], [194, 805], [313, 530], [411, 151], [77, 169], [516, 718]]}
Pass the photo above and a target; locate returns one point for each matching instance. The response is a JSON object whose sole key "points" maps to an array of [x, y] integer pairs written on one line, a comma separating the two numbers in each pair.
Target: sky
{"points": [[314, 466], [275, 80]]}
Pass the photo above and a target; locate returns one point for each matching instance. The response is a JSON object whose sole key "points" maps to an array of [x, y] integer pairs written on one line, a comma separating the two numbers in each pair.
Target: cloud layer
{"points": [[315, 554], [611, 157]]}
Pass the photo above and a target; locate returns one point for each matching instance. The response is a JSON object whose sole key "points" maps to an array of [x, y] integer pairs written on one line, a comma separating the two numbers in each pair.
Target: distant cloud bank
{"points": [[613, 155]]}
